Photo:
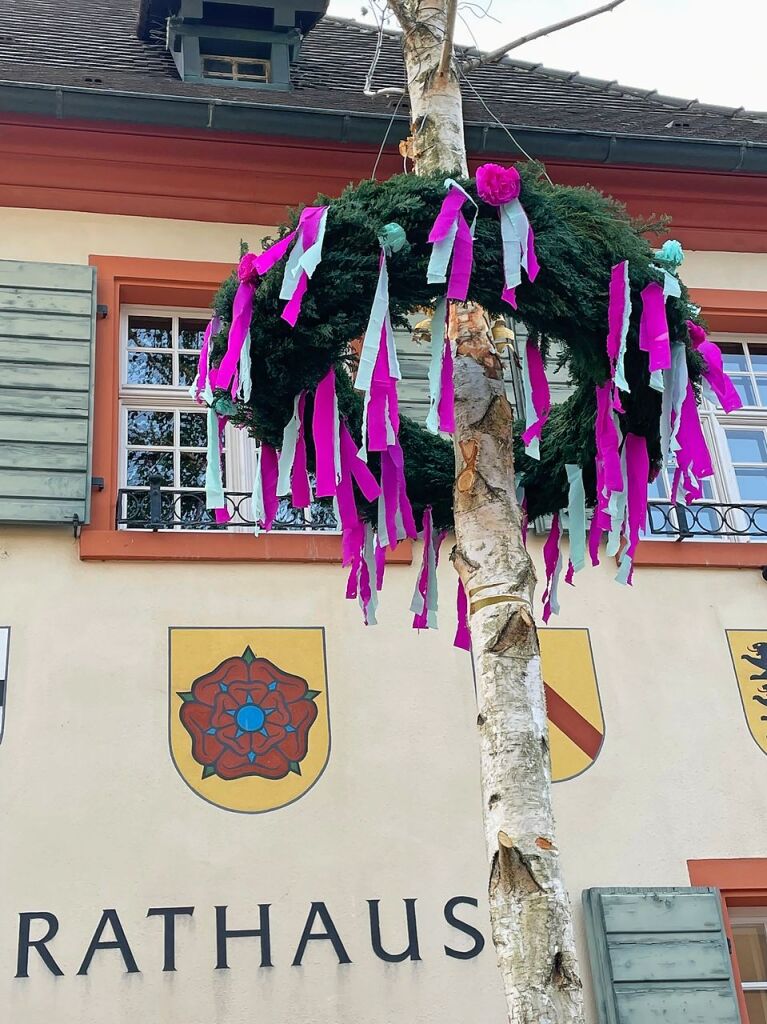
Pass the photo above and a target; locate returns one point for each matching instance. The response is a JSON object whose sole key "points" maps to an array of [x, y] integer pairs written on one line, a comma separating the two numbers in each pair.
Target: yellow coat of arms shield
{"points": [[573, 705], [249, 722], [748, 648]]}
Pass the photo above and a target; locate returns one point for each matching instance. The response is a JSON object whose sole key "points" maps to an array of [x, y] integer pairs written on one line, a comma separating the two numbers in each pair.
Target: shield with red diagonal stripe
{"points": [[576, 725]]}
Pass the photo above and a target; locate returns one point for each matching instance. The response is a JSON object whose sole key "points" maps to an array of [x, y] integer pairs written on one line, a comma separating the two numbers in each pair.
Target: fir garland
{"points": [[580, 235]]}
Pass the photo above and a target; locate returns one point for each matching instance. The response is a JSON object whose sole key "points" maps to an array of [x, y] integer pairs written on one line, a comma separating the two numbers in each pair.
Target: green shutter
{"points": [[660, 955], [47, 339]]}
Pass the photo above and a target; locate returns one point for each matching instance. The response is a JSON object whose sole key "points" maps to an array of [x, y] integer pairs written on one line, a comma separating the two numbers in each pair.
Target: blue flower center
{"points": [[250, 718]]}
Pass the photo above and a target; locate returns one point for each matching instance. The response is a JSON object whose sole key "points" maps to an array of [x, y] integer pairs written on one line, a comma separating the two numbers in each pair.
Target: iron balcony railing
{"points": [[164, 508], [707, 519]]}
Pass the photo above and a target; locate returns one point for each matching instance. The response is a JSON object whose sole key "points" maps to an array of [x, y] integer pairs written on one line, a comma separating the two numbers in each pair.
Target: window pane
{"points": [[193, 430], [150, 332], [142, 465], [752, 483], [193, 469], [761, 383], [149, 428], [191, 333], [750, 950], [213, 66], [187, 369], [758, 359], [747, 445], [733, 357], [756, 1004], [745, 389], [657, 488], [149, 368]]}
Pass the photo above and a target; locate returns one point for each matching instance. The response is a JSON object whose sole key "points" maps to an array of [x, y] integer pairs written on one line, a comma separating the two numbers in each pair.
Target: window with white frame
{"points": [[749, 931], [738, 445], [163, 430], [163, 433]]}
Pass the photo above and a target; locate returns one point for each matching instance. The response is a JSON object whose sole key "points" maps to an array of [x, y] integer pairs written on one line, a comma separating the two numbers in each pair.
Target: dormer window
{"points": [[250, 43], [236, 69]]}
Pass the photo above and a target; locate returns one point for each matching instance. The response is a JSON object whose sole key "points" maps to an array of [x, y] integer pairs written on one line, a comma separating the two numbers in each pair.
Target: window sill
{"points": [[701, 553], [143, 546]]}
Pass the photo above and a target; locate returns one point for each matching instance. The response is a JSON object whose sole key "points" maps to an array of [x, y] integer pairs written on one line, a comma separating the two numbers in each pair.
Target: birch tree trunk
{"points": [[529, 905]]}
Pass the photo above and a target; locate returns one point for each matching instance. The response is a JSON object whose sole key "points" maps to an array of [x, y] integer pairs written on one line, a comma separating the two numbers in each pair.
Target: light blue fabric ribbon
{"points": [[368, 554], [214, 484], [617, 512], [288, 450], [531, 416], [576, 516], [303, 261], [441, 251], [515, 231], [378, 321], [257, 497], [435, 365], [244, 370]]}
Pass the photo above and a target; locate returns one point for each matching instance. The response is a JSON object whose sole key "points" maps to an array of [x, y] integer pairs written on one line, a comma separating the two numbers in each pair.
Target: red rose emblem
{"points": [[248, 717]]}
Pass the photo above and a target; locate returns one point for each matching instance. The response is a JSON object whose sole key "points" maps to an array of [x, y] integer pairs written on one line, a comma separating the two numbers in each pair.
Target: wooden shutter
{"points": [[47, 334], [660, 955]]}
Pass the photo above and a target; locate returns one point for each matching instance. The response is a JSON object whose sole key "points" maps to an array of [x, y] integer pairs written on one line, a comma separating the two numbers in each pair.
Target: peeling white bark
{"points": [[529, 906], [436, 109]]}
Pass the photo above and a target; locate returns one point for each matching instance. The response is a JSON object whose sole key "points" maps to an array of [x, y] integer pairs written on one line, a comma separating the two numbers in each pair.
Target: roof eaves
{"points": [[347, 126]]}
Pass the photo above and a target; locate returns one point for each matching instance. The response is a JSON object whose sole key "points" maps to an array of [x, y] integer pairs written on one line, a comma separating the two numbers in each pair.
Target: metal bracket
{"points": [[97, 483], [77, 526], [102, 312]]}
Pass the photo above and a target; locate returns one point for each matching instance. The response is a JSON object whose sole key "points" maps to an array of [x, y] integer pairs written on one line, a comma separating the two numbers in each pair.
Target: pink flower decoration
{"points": [[247, 271], [497, 185]]}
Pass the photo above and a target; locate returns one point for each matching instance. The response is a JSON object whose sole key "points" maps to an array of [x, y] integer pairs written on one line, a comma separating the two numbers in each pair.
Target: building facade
{"points": [[351, 889]]}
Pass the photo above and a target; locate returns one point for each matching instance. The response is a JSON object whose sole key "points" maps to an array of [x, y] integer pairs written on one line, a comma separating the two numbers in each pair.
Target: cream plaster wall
{"points": [[94, 814], [69, 237], [60, 236]]}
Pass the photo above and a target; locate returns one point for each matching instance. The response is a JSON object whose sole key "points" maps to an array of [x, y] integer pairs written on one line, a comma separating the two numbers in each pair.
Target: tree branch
{"points": [[495, 55], [447, 45]]}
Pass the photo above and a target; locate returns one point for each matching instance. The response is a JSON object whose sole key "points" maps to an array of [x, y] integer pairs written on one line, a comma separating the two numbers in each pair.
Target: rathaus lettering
{"points": [[38, 930]]}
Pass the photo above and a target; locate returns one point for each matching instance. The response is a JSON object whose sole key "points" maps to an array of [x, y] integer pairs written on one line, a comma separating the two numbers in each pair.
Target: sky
{"points": [[694, 49]]}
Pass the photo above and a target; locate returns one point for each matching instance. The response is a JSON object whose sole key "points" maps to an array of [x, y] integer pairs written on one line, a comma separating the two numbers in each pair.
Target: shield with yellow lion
{"points": [[249, 720]]}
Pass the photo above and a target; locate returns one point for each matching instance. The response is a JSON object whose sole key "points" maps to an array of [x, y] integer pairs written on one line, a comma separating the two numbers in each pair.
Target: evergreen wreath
{"points": [[580, 235]]}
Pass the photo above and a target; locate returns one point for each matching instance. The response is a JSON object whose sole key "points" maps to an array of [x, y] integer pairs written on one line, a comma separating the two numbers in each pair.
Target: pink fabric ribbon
{"points": [[693, 459], [426, 588], [242, 314], [533, 269], [203, 367], [325, 434], [541, 396], [552, 560], [300, 487], [395, 512], [637, 477], [446, 406], [463, 633], [307, 232], [618, 313], [383, 406], [653, 327], [714, 373], [451, 218], [608, 466], [269, 485]]}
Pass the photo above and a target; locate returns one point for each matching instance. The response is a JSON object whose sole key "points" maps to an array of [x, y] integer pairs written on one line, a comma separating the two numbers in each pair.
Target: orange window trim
{"points": [[729, 311], [742, 882], [167, 283]]}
